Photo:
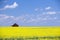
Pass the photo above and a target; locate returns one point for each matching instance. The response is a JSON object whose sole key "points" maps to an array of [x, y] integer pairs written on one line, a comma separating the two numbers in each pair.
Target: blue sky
{"points": [[30, 12]]}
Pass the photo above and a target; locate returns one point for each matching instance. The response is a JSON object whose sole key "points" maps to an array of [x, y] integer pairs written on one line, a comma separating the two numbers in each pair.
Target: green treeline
{"points": [[33, 38]]}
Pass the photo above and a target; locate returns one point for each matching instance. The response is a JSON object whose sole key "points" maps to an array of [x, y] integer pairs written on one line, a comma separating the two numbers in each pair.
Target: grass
{"points": [[30, 31]]}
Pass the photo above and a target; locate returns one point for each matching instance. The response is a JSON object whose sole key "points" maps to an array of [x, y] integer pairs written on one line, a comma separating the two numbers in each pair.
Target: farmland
{"points": [[29, 31]]}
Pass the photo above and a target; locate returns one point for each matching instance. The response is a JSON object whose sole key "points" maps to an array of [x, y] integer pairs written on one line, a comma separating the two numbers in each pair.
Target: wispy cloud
{"points": [[3, 1], [14, 5], [51, 12], [3, 17], [36, 9], [42, 9], [48, 8]]}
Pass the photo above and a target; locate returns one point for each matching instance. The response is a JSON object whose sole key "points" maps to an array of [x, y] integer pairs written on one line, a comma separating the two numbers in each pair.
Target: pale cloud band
{"points": [[26, 18]]}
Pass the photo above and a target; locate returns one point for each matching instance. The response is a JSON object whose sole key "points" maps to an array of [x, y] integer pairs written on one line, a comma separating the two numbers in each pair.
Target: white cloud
{"points": [[47, 8], [14, 5]]}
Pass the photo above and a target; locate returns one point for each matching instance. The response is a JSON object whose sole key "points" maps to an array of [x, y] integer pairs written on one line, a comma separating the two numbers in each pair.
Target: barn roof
{"points": [[15, 25]]}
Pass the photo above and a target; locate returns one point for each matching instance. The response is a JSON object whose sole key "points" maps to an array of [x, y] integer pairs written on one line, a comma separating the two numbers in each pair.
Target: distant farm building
{"points": [[15, 25]]}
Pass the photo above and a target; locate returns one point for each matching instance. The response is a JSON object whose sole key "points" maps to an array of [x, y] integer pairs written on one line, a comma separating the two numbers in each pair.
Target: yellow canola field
{"points": [[29, 31]]}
